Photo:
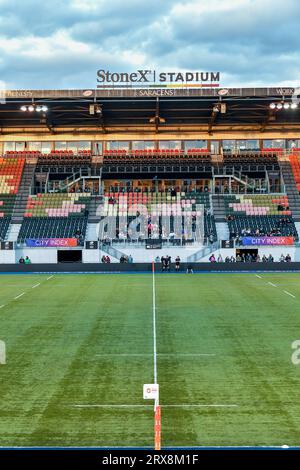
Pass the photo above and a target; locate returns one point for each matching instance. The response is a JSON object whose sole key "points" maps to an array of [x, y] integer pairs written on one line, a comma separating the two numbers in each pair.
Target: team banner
{"points": [[51, 242], [250, 241]]}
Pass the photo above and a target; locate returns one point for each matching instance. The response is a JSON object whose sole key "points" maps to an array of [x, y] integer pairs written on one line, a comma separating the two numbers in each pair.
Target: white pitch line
{"points": [[258, 276], [158, 354], [1, 306], [184, 405], [20, 295], [288, 293], [154, 324], [33, 287], [50, 277], [271, 284]]}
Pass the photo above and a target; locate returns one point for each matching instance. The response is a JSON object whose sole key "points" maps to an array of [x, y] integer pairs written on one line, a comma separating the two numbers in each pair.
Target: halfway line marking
{"points": [[288, 293], [20, 295]]}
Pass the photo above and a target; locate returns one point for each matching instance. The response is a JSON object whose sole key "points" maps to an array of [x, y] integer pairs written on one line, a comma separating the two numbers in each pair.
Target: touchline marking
{"points": [[50, 277], [258, 276], [20, 295], [271, 284], [183, 405], [33, 287], [288, 293]]}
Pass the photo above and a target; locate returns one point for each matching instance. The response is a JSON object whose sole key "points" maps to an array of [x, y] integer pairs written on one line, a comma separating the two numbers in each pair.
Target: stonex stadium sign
{"points": [[154, 79]]}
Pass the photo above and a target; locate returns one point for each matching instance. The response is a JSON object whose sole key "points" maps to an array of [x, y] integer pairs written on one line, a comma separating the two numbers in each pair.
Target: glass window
{"points": [[295, 143], [46, 147], [117, 145], [84, 145], [20, 146], [229, 145], [9, 146], [143, 145], [195, 144], [247, 144], [34, 146], [72, 146], [60, 145], [169, 144], [274, 144]]}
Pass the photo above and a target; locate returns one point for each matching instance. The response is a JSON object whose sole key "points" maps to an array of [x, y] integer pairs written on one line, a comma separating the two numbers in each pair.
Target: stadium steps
{"points": [[95, 209], [23, 193], [13, 232], [91, 232], [222, 231], [219, 209], [291, 189], [113, 252], [203, 252]]}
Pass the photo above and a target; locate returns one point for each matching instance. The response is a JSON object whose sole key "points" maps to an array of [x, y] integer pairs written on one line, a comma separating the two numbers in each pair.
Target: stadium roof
{"points": [[148, 110]]}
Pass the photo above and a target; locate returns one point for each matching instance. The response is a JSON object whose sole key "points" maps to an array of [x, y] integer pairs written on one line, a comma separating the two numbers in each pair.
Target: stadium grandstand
{"points": [[105, 192], [119, 171]]}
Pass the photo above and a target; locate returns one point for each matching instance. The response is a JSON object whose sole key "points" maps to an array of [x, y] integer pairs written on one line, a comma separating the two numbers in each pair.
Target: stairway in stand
{"points": [[291, 189], [23, 193], [219, 209]]}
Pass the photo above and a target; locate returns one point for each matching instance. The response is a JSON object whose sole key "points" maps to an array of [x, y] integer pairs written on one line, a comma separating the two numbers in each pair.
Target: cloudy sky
{"points": [[61, 43]]}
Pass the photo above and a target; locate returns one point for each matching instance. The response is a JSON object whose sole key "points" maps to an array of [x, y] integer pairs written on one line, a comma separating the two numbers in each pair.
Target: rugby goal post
{"points": [[151, 392]]}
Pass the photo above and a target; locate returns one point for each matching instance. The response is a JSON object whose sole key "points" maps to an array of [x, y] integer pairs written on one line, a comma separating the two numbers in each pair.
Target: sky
{"points": [[60, 44]]}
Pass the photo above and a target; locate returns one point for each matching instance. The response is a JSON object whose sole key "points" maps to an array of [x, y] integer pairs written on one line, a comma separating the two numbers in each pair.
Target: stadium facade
{"points": [[190, 171]]}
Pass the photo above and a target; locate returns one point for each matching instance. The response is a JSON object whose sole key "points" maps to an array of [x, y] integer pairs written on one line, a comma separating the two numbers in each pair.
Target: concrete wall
{"points": [[275, 251], [140, 255], [37, 255], [90, 256]]}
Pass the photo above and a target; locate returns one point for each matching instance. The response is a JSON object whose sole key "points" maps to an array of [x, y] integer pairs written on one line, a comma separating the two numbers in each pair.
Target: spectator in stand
{"points": [[282, 258], [264, 259], [21, 260], [227, 259], [232, 259], [220, 259], [157, 259], [130, 259], [103, 259], [270, 259], [212, 258], [27, 260], [288, 258]]}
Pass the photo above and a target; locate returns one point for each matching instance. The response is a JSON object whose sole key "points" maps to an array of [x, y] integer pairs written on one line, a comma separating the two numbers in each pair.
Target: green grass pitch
{"points": [[224, 359]]}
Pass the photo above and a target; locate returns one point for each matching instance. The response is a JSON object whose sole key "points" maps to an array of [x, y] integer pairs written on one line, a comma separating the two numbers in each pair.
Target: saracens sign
{"points": [[152, 78]]}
